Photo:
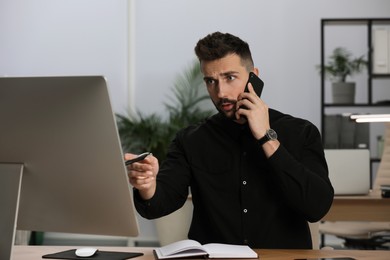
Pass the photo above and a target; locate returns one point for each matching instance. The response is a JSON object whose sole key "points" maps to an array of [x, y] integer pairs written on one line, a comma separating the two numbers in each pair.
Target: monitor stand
{"points": [[10, 184]]}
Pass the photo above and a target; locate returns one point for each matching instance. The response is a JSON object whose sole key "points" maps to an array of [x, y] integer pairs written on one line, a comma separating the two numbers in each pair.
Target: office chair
{"points": [[175, 226], [366, 235]]}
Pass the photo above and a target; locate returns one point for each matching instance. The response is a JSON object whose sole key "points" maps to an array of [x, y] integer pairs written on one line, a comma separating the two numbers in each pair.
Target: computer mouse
{"points": [[85, 251]]}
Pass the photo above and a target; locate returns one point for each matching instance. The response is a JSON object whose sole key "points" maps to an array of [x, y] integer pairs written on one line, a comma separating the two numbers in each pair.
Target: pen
{"points": [[137, 159]]}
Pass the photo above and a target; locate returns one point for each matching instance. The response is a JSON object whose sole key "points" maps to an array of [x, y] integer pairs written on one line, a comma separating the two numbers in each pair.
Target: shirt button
{"points": [[244, 182], [245, 210]]}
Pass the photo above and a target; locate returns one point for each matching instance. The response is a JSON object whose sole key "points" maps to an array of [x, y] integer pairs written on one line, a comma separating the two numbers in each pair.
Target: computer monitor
{"points": [[61, 161]]}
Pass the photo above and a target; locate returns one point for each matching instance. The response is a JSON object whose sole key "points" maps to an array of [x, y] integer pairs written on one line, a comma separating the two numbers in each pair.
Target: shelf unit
{"points": [[369, 23]]}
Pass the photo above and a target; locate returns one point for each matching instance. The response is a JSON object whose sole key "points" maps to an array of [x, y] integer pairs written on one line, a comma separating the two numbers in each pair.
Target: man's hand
{"points": [[142, 174], [257, 116], [256, 112]]}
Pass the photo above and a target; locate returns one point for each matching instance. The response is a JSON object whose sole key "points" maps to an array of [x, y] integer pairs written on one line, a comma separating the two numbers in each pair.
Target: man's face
{"points": [[225, 79]]}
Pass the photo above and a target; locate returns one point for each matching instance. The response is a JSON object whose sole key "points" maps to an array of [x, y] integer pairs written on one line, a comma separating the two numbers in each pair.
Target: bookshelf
{"points": [[370, 101]]}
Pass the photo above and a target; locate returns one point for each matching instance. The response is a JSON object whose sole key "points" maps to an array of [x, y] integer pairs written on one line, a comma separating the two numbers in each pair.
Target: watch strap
{"points": [[269, 135]]}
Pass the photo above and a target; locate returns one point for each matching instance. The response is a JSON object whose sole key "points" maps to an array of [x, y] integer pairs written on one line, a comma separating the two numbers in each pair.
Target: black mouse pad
{"points": [[109, 255]]}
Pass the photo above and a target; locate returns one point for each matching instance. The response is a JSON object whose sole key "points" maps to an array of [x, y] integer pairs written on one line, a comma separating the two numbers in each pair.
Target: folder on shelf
{"points": [[362, 136], [347, 132], [381, 53], [331, 135], [342, 133]]}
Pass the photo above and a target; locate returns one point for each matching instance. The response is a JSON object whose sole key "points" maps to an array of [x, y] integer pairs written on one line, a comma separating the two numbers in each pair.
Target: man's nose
{"points": [[221, 90]]}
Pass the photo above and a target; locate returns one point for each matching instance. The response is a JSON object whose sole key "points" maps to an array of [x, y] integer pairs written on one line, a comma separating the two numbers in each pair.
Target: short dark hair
{"points": [[217, 45]]}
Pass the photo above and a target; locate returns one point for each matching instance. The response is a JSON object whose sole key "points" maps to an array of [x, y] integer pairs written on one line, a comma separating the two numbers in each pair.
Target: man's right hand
{"points": [[142, 175]]}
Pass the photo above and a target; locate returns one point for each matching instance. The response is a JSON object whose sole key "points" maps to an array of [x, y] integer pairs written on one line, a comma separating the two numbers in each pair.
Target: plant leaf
{"points": [[151, 133]]}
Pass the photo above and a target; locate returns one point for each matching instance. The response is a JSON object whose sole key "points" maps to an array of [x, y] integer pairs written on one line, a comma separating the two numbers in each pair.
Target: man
{"points": [[257, 176]]}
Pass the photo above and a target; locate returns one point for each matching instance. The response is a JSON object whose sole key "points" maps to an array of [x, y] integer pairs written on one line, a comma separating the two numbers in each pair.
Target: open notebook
{"points": [[191, 248]]}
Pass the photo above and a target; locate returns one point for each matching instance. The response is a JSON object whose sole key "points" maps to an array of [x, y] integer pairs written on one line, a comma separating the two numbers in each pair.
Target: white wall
{"points": [[284, 36], [66, 37]]}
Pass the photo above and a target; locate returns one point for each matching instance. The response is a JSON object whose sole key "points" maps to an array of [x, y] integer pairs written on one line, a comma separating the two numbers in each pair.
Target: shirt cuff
{"points": [[139, 202]]}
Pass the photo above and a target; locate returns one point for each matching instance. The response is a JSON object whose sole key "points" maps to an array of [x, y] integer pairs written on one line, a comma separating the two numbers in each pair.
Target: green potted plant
{"points": [[340, 65], [153, 133]]}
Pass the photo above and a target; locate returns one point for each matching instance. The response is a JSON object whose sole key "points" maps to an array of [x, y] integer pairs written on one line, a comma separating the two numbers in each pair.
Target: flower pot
{"points": [[343, 92]]}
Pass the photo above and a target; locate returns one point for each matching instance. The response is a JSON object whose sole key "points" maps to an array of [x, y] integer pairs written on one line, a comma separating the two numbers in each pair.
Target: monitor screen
{"points": [[60, 134]]}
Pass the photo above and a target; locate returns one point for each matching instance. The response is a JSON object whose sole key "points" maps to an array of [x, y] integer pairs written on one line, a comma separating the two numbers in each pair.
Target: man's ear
{"points": [[256, 71]]}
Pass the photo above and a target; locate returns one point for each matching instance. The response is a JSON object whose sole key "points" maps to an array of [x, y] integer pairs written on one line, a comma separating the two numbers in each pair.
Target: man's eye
{"points": [[210, 82], [230, 78]]}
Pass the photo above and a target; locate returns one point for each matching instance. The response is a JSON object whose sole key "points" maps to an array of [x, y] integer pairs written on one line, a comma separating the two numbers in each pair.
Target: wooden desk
{"points": [[359, 208], [36, 252]]}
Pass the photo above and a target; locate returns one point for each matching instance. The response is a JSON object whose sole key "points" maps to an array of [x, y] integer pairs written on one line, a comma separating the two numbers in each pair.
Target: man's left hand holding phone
{"points": [[249, 104], [142, 171], [257, 115]]}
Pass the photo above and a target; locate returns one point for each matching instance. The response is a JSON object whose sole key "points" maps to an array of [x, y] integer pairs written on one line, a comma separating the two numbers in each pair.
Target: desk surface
{"points": [[36, 252], [371, 207]]}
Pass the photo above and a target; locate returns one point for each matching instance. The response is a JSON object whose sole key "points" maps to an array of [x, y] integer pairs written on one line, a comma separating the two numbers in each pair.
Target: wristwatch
{"points": [[270, 135]]}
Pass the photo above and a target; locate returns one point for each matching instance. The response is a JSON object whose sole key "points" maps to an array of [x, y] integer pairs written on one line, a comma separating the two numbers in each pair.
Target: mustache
{"points": [[226, 101]]}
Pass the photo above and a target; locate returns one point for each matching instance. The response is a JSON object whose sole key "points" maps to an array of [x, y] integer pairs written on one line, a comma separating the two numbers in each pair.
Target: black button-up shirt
{"points": [[240, 196]]}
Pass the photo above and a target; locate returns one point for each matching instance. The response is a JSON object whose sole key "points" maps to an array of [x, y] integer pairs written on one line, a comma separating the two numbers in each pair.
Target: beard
{"points": [[230, 114]]}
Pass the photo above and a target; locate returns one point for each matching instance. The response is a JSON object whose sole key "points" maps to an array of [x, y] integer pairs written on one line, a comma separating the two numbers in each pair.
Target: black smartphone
{"points": [[256, 82], [137, 159]]}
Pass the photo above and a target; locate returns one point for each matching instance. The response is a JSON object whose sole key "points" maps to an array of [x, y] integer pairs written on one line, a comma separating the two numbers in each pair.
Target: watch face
{"points": [[272, 134]]}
